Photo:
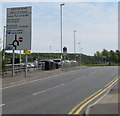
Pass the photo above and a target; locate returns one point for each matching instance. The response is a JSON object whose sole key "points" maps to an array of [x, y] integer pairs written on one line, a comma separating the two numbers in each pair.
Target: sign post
{"points": [[18, 30], [13, 59], [4, 42], [20, 60], [26, 57], [26, 52]]}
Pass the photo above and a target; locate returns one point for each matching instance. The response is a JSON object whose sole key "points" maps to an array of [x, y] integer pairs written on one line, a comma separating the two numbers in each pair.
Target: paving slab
{"points": [[107, 104]]}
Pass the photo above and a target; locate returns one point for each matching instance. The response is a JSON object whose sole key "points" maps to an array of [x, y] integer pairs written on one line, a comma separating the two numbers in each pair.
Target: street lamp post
{"points": [[61, 25], [74, 45], [58, 53], [80, 53], [50, 51]]}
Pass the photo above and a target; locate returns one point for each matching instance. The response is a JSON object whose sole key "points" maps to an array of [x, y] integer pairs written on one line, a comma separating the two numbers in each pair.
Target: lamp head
{"points": [[62, 4], [74, 30]]}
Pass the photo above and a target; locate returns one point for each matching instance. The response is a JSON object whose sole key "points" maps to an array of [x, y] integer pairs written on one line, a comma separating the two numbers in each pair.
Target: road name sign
{"points": [[18, 24]]}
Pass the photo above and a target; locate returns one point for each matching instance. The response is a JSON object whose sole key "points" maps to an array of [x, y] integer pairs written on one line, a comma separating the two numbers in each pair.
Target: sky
{"points": [[96, 25]]}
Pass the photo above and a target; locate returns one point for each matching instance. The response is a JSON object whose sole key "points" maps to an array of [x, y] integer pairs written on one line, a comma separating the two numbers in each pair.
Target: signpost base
{"points": [[26, 57]]}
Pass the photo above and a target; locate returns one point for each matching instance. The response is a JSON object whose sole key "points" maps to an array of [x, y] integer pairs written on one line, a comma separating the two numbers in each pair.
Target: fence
{"points": [[43, 65]]}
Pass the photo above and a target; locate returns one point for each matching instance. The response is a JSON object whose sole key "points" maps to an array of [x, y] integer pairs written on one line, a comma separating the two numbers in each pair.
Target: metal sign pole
{"points": [[20, 60], [4, 43], [26, 57], [13, 59], [20, 57]]}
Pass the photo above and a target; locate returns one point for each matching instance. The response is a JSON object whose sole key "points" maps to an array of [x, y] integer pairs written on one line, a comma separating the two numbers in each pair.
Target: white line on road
{"points": [[2, 105], [48, 89], [92, 73]]}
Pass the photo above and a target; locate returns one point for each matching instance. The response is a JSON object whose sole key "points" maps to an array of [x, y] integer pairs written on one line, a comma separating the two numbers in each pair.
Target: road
{"points": [[58, 94]]}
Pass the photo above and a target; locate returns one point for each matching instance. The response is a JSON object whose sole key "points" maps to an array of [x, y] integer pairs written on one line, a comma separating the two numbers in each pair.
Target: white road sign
{"points": [[18, 26]]}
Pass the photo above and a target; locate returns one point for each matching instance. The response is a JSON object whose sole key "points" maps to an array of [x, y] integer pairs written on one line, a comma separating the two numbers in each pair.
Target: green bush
{"points": [[112, 64]]}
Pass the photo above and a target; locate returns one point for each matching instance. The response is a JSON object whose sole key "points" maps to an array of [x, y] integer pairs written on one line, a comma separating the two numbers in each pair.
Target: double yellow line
{"points": [[77, 109]]}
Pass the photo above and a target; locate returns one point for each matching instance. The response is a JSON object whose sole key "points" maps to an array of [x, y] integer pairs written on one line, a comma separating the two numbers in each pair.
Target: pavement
{"points": [[34, 74], [108, 104]]}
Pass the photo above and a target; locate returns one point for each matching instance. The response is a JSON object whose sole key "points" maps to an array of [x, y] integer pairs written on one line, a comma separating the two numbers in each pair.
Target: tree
{"points": [[118, 56], [113, 57], [0, 44], [97, 57], [105, 55]]}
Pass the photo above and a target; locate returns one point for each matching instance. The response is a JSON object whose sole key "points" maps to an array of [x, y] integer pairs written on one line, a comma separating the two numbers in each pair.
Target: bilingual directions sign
{"points": [[18, 28]]}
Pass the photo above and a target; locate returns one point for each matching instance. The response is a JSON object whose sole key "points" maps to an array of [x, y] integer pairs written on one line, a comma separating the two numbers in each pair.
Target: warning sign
{"points": [[27, 52]]}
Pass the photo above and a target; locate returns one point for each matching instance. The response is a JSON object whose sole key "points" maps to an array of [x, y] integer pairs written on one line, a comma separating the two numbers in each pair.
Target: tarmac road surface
{"points": [[58, 95]]}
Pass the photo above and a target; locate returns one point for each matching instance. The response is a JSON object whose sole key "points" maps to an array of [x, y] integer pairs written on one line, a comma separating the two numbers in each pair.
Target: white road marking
{"points": [[2, 105], [48, 89], [75, 79], [92, 73]]}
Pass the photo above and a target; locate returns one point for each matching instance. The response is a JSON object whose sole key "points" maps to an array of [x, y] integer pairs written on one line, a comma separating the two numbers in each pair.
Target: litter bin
{"points": [[49, 64]]}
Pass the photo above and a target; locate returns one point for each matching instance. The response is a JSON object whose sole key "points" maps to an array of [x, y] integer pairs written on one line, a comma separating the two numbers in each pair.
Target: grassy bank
{"points": [[102, 65]]}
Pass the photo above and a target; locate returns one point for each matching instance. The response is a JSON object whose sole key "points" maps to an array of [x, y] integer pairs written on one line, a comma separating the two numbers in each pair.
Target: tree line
{"points": [[107, 56], [98, 58]]}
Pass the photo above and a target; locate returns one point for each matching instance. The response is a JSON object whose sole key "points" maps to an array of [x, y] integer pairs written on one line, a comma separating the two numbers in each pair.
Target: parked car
{"points": [[30, 65]]}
